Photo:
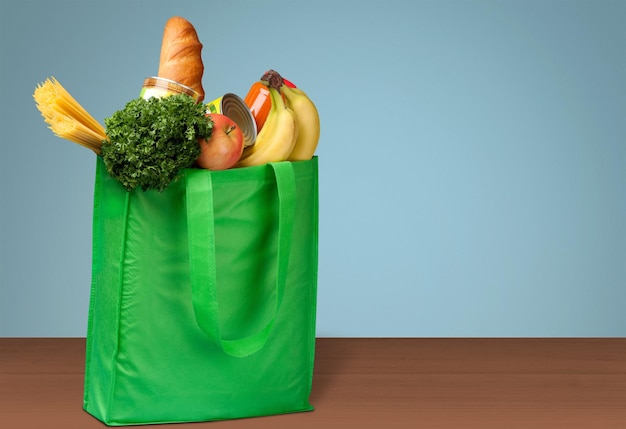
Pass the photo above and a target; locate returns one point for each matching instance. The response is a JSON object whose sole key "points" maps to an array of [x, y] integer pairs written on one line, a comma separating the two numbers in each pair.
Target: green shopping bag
{"points": [[203, 297]]}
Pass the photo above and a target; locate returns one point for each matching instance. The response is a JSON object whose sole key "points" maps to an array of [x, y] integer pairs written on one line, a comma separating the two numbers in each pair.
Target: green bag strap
{"points": [[201, 232]]}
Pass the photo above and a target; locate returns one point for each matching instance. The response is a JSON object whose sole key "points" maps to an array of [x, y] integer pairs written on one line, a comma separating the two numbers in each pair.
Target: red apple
{"points": [[289, 84], [224, 148]]}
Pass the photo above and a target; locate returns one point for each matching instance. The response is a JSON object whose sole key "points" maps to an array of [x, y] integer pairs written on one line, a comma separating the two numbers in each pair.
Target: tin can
{"points": [[234, 107], [154, 86]]}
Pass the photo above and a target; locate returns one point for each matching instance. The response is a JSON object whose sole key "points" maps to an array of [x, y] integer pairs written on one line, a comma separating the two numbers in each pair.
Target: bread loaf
{"points": [[181, 59]]}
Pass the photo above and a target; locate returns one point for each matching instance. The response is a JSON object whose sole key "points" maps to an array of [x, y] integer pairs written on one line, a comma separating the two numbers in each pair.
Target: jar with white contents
{"points": [[160, 87]]}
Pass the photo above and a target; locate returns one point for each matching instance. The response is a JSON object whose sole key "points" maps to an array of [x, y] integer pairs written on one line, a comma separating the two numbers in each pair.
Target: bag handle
{"points": [[201, 232]]}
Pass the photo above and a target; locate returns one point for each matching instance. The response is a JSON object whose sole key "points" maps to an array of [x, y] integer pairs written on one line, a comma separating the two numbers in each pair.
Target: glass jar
{"points": [[154, 86], [259, 102]]}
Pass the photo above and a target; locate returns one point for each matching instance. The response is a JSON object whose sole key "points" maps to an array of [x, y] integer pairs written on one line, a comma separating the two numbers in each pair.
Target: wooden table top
{"points": [[372, 382]]}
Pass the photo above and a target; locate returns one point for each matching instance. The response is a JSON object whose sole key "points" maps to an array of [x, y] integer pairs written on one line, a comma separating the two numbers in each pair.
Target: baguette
{"points": [[181, 58]]}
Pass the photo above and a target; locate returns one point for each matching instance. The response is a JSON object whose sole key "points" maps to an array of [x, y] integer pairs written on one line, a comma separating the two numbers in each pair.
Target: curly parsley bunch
{"points": [[150, 141]]}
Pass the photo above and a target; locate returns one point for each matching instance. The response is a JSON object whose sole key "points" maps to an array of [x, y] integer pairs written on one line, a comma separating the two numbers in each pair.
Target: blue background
{"points": [[472, 156]]}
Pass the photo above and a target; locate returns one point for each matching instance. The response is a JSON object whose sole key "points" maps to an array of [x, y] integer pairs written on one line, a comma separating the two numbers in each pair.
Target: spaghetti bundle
{"points": [[66, 117]]}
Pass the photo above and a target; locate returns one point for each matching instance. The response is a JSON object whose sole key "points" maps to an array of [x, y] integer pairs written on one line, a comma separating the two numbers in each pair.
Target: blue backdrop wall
{"points": [[472, 156]]}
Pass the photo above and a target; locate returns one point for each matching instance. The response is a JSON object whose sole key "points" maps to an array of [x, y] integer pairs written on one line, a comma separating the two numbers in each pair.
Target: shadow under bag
{"points": [[203, 296]]}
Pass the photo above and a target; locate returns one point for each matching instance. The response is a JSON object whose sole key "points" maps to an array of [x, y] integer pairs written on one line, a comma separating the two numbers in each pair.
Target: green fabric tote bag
{"points": [[203, 297]]}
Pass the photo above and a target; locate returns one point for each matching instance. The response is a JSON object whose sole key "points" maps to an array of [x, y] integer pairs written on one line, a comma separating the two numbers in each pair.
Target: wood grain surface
{"points": [[372, 383]]}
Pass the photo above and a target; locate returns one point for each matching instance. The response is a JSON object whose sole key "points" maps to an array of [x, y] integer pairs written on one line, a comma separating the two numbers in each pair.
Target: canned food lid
{"points": [[235, 108]]}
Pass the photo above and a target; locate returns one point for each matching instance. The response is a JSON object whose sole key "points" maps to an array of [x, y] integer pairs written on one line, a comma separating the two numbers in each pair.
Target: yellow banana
{"points": [[277, 138], [308, 121]]}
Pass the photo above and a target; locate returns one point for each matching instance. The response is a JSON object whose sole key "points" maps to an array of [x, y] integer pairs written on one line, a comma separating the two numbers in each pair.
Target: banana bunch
{"points": [[291, 130], [277, 138]]}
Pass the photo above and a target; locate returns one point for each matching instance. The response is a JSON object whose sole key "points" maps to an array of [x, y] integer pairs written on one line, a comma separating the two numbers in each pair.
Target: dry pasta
{"points": [[66, 117]]}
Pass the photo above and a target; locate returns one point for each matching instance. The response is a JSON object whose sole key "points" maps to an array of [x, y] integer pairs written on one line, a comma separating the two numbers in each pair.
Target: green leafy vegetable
{"points": [[150, 141]]}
